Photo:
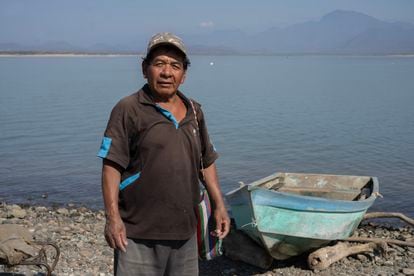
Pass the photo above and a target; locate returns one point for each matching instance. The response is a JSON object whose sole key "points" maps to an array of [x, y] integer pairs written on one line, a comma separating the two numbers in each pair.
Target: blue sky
{"points": [[86, 22]]}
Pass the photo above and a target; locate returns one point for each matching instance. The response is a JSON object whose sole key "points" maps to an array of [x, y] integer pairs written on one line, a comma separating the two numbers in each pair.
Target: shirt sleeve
{"points": [[115, 143], [209, 153]]}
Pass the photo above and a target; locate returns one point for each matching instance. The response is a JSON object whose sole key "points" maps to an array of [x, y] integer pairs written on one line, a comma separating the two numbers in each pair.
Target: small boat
{"points": [[292, 213]]}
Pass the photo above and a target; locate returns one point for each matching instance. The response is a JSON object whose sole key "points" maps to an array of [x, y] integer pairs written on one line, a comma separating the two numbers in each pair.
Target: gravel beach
{"points": [[78, 231]]}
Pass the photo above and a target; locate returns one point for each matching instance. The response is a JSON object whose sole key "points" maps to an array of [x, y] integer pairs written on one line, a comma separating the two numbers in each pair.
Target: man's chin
{"points": [[165, 92]]}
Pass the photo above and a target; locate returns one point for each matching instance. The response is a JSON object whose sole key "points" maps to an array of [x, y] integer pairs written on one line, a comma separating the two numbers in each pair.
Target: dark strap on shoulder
{"points": [[198, 129]]}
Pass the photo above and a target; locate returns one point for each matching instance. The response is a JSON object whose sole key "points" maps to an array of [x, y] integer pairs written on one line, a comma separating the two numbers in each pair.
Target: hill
{"points": [[338, 32]]}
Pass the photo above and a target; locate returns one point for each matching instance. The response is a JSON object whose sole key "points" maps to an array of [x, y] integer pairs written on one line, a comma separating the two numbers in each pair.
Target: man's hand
{"points": [[222, 223], [115, 233]]}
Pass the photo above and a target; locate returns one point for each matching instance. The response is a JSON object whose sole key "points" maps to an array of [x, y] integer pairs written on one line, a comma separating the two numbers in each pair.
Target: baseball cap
{"points": [[166, 39]]}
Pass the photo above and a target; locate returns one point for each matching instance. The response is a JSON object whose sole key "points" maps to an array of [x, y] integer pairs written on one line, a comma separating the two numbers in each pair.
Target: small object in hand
{"points": [[216, 233]]}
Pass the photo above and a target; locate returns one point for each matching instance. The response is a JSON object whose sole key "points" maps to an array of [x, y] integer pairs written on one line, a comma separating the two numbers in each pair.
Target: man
{"points": [[153, 151]]}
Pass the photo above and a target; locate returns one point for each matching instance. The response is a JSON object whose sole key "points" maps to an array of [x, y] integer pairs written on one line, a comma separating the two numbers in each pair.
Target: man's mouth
{"points": [[164, 83]]}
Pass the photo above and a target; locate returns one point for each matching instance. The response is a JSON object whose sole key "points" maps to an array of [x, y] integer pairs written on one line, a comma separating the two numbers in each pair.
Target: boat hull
{"points": [[288, 224]]}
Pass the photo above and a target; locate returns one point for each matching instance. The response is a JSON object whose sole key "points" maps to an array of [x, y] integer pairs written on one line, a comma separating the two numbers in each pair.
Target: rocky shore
{"points": [[78, 231]]}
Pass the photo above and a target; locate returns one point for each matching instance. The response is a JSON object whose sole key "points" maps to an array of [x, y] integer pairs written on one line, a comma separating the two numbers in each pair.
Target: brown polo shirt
{"points": [[159, 187]]}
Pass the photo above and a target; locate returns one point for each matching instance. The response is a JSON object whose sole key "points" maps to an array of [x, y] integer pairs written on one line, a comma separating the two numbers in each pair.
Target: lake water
{"points": [[314, 114]]}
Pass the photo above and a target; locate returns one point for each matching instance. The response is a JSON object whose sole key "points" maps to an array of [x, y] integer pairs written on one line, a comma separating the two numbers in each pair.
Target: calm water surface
{"points": [[266, 114]]}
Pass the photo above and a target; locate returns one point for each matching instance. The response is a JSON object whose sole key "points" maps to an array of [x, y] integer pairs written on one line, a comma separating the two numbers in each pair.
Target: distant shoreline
{"points": [[4, 54], [62, 54]]}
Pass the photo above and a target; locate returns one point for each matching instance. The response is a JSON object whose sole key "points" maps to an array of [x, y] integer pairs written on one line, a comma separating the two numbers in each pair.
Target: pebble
{"points": [[408, 271], [63, 211], [362, 257], [15, 211], [406, 236], [41, 209], [398, 248]]}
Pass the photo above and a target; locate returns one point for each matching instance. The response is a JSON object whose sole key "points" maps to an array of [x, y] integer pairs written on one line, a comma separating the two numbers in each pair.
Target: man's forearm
{"points": [[213, 186], [220, 212], [111, 178], [115, 233]]}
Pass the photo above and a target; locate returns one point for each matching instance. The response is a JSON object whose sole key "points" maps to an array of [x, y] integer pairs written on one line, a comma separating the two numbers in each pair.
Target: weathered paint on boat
{"points": [[291, 213]]}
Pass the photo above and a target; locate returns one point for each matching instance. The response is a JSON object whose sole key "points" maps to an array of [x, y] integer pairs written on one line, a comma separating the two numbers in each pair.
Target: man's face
{"points": [[164, 72]]}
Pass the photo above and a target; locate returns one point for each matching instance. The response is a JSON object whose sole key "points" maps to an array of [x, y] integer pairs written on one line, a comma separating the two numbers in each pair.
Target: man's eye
{"points": [[176, 66], [159, 64]]}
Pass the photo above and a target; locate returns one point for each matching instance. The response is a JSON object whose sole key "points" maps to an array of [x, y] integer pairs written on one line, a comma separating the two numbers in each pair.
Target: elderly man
{"points": [[154, 147]]}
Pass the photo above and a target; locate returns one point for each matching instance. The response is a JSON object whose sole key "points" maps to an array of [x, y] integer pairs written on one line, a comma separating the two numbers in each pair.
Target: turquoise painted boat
{"points": [[291, 213]]}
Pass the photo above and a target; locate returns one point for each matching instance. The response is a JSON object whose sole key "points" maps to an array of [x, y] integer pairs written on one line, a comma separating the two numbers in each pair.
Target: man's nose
{"points": [[166, 70]]}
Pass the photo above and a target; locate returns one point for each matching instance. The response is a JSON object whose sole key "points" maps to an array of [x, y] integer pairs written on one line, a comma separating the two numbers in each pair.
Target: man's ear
{"points": [[183, 78], [144, 67]]}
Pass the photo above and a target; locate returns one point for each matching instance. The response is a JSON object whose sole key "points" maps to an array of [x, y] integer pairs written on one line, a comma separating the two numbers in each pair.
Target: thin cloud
{"points": [[207, 24]]}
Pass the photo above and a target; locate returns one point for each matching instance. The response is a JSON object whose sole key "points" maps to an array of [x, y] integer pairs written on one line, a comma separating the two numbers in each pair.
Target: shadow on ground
{"points": [[225, 266]]}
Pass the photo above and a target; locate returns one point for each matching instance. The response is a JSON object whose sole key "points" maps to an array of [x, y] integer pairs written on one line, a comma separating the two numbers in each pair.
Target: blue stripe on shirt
{"points": [[105, 146], [129, 181], [168, 115]]}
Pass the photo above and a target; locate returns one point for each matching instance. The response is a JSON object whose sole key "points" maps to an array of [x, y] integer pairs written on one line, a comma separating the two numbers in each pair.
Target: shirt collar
{"points": [[145, 97]]}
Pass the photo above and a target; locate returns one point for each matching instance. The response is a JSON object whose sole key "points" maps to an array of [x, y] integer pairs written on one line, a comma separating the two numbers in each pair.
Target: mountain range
{"points": [[338, 32]]}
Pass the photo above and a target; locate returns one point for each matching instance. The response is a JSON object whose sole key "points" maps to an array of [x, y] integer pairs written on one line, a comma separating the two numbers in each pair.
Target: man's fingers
{"points": [[222, 224], [222, 229], [124, 240], [110, 241], [117, 242], [216, 233], [115, 234], [120, 243], [226, 227]]}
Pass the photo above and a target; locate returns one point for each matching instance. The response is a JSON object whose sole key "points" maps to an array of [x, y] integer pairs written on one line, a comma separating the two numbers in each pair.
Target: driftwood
{"points": [[389, 215], [373, 215], [324, 257], [379, 240], [240, 247]]}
